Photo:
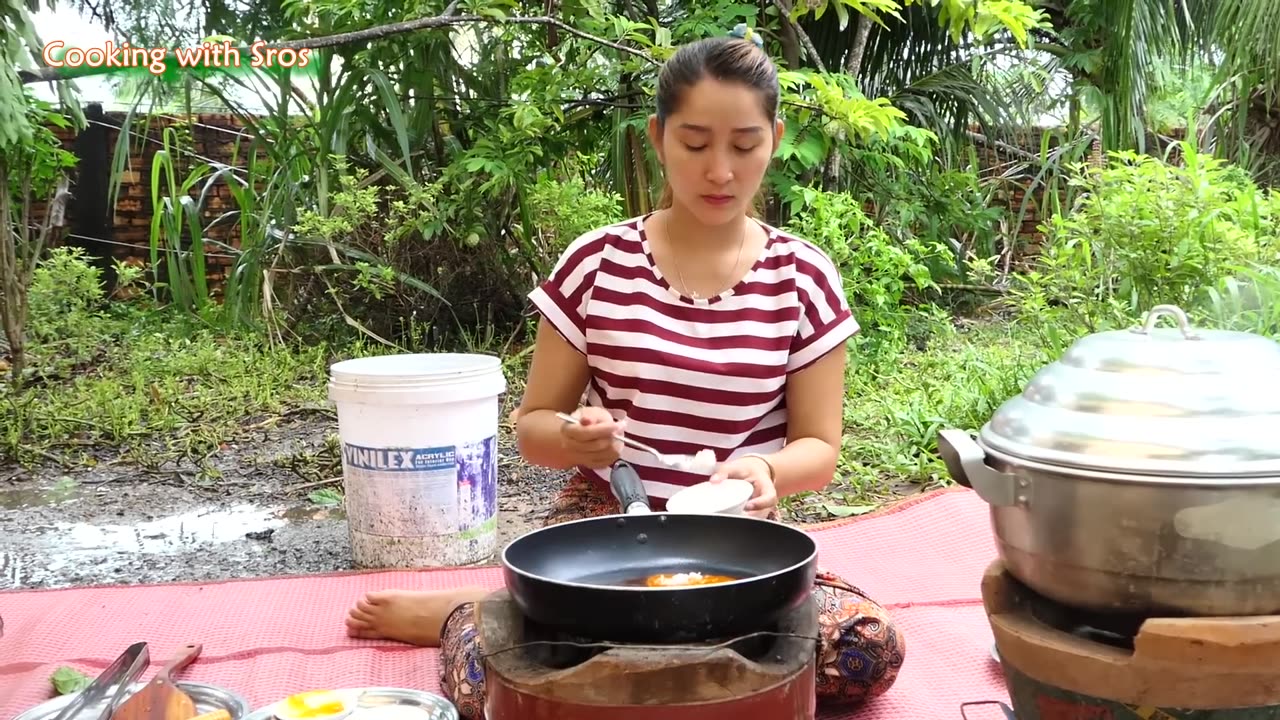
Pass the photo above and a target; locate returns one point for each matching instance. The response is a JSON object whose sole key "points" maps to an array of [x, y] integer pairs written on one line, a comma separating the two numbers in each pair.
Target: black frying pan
{"points": [[586, 577]]}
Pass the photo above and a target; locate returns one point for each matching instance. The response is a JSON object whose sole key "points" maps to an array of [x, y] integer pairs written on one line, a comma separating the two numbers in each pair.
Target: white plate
{"points": [[727, 497], [207, 698], [364, 701]]}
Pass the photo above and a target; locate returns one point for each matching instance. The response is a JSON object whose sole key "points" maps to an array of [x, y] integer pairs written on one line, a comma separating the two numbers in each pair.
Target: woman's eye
{"points": [[698, 148]]}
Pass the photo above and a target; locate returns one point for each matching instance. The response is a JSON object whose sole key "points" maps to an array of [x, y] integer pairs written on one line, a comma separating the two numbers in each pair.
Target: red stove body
{"points": [[535, 674]]}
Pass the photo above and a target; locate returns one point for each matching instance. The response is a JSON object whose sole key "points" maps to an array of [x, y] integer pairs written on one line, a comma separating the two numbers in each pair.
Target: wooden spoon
{"points": [[161, 699]]}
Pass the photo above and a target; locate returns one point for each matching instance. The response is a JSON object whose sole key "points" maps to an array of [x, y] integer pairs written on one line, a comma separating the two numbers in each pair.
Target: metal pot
{"points": [[1139, 473]]}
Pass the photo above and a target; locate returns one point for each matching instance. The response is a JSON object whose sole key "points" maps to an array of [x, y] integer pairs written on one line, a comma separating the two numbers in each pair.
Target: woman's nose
{"points": [[719, 171]]}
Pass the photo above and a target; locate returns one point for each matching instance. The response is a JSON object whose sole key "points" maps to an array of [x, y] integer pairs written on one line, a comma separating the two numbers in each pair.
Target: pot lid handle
{"points": [[1154, 315]]}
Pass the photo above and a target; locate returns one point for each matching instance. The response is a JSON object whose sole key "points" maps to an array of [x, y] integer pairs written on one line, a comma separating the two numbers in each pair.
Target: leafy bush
{"points": [[912, 196], [563, 209], [880, 273], [1249, 301], [1146, 232]]}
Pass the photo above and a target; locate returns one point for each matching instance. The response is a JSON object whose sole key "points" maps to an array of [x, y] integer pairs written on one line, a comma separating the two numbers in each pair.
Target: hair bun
{"points": [[742, 31]]}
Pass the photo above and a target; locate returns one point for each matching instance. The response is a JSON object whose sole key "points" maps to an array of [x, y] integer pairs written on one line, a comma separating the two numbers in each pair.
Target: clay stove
{"points": [[1061, 663], [532, 673]]}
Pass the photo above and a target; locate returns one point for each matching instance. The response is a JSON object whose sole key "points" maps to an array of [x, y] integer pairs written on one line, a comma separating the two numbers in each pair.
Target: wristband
{"points": [[764, 460]]}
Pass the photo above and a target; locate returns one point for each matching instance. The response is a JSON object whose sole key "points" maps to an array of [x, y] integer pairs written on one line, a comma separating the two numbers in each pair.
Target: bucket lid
{"points": [[1181, 402], [409, 369]]}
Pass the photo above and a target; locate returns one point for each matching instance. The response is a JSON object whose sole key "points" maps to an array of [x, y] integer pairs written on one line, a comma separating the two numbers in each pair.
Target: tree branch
{"points": [[784, 7], [448, 19], [54, 219], [858, 46], [8, 250], [1015, 151], [24, 238]]}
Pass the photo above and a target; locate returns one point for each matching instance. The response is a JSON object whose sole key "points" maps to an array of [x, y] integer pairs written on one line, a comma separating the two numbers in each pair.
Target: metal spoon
{"points": [[700, 463]]}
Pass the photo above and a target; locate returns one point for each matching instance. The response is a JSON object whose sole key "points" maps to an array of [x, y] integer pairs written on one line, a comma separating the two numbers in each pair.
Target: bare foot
{"points": [[410, 616]]}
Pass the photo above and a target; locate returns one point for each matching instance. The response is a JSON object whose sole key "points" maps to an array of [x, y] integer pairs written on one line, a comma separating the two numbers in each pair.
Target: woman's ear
{"points": [[655, 138], [779, 129]]}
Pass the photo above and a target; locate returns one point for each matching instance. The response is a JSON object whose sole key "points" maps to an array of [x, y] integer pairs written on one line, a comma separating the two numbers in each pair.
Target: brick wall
{"points": [[1010, 155], [208, 137], [222, 139]]}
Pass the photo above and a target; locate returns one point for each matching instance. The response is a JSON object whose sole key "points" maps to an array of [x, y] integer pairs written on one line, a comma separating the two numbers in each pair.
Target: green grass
{"points": [[155, 386], [897, 401]]}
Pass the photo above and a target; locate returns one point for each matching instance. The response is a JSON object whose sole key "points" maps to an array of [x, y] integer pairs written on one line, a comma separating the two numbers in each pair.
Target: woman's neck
{"points": [[693, 234]]}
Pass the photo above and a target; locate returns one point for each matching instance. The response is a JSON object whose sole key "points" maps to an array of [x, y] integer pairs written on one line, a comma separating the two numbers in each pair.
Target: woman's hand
{"points": [[593, 441], [764, 498]]}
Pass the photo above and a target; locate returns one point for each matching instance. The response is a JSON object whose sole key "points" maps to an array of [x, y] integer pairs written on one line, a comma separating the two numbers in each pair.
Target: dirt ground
{"points": [[122, 523]]}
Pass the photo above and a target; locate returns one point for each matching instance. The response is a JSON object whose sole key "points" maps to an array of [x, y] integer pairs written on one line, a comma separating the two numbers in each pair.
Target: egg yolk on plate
{"points": [[310, 705]]}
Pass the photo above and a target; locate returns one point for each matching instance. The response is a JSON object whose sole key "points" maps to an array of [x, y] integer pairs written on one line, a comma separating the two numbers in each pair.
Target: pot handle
{"points": [[627, 487], [967, 465], [1159, 311]]}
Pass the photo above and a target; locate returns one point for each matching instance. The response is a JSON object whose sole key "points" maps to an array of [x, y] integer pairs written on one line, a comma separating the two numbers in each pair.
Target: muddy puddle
{"points": [[120, 523], [188, 530], [64, 490], [64, 533]]}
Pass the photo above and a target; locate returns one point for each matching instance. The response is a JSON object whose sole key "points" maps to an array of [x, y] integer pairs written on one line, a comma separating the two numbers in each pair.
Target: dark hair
{"points": [[728, 59]]}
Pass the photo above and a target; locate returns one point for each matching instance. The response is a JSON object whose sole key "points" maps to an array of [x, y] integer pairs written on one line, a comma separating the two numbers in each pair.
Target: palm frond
{"points": [[1247, 32], [954, 98], [1131, 38], [943, 85]]}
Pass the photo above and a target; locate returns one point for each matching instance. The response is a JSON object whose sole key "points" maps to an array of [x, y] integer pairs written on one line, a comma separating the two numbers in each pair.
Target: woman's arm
{"points": [[557, 376], [815, 425]]}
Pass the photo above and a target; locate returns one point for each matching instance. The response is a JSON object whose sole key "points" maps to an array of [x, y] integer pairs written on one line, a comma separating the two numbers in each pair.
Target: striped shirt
{"points": [[691, 374]]}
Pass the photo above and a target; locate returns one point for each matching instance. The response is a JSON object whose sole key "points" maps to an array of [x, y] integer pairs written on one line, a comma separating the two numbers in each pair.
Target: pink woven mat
{"points": [[268, 638]]}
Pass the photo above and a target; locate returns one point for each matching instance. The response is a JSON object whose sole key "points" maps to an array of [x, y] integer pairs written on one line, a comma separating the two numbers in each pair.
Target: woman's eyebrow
{"points": [[755, 129]]}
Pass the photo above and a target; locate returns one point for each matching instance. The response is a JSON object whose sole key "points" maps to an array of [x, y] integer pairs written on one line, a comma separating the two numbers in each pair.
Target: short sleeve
{"points": [[562, 298], [825, 321]]}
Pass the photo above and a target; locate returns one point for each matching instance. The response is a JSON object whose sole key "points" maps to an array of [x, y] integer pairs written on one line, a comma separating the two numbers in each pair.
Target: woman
{"points": [[695, 326]]}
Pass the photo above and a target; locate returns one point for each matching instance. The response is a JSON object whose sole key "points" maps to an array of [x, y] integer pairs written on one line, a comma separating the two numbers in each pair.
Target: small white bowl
{"points": [[727, 497]]}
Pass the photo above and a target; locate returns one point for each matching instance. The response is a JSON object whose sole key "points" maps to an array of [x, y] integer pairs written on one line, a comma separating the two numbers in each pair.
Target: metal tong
{"points": [[119, 674]]}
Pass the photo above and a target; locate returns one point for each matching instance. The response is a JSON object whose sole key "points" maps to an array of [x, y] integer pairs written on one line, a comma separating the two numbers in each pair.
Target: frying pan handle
{"points": [[628, 488]]}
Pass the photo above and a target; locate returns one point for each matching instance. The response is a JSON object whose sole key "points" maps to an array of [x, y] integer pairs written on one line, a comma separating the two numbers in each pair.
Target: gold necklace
{"points": [[742, 242]]}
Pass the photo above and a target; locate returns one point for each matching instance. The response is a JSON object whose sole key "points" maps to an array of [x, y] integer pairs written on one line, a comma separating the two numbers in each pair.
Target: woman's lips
{"points": [[717, 199]]}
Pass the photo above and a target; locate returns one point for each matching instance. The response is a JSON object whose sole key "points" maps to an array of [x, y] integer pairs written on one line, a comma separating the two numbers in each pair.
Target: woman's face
{"points": [[716, 148]]}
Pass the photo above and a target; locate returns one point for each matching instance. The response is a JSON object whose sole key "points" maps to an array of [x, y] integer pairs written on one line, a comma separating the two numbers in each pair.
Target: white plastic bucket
{"points": [[419, 439]]}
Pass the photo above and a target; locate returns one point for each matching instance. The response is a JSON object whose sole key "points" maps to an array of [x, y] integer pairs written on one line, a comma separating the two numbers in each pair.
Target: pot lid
{"points": [[1170, 401]]}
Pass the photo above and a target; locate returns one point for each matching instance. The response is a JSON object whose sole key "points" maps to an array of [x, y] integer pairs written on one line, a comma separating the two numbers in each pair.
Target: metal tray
{"points": [[206, 697], [367, 698]]}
